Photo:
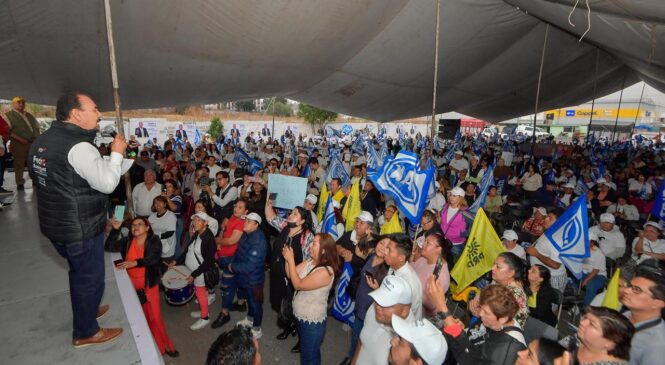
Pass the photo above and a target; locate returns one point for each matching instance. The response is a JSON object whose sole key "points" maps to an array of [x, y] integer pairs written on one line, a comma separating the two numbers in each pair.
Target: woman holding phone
{"points": [[432, 262], [141, 252]]}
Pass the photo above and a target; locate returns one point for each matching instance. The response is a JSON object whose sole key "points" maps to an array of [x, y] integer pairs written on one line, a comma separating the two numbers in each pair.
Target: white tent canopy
{"points": [[367, 58]]}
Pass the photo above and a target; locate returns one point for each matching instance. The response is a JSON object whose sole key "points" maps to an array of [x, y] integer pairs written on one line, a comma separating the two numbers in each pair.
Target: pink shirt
{"points": [[424, 271]]}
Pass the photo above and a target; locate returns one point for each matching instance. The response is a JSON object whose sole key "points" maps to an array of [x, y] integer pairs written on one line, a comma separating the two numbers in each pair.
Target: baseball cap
{"points": [[457, 191], [365, 217], [569, 186], [509, 235], [393, 290], [17, 99], [606, 218], [302, 155], [540, 210], [253, 216], [653, 224], [424, 336], [311, 198], [459, 152], [204, 216], [476, 157]]}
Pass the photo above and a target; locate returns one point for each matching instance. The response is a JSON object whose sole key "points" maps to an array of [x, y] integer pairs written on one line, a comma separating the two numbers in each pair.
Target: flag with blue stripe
{"points": [[333, 153], [329, 222], [197, 138], [383, 152], [570, 236], [343, 305], [373, 161], [243, 160], [658, 209], [432, 186], [500, 185], [337, 170], [359, 145], [480, 201], [401, 178], [581, 188], [305, 172]]}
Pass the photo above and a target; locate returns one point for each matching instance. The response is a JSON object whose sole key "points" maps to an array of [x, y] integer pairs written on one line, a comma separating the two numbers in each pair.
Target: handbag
{"points": [[211, 276], [285, 314], [142, 297]]}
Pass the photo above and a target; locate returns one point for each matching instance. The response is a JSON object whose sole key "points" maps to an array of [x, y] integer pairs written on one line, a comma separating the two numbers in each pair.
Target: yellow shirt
{"points": [[531, 301]]}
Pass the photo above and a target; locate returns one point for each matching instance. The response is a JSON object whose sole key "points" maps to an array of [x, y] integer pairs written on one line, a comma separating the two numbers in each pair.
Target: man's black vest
{"points": [[69, 209]]}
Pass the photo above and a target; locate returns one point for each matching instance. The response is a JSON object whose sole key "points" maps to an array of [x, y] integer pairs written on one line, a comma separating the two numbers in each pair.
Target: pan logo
{"points": [[571, 233], [570, 113]]}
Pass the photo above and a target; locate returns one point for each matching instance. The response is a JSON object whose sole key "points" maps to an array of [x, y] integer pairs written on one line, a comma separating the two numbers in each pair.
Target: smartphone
{"points": [[117, 262], [273, 196], [437, 267], [119, 213], [370, 275]]}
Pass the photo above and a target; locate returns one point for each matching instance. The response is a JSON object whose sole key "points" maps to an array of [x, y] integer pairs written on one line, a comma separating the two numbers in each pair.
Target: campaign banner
{"points": [[290, 190], [145, 129]]}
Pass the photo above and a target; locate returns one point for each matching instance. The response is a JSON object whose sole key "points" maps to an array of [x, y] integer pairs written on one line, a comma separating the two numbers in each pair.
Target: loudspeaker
{"points": [[448, 128]]}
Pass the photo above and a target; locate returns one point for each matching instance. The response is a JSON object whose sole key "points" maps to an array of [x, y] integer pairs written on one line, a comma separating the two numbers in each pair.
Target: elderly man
{"points": [[72, 181], [393, 297], [459, 163], [24, 129], [144, 193], [611, 240]]}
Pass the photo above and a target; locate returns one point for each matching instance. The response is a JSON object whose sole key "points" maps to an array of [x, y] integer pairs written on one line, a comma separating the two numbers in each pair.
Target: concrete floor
{"points": [[36, 314]]}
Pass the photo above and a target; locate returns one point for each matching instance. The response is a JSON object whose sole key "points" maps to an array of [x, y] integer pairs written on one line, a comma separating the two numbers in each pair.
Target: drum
{"points": [[177, 291]]}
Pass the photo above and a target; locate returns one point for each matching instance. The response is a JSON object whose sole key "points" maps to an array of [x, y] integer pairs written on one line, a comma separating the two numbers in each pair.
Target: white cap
{"points": [[302, 155], [606, 218], [213, 226], [476, 157], [393, 290], [424, 336], [253, 216], [653, 224], [365, 217], [204, 216], [540, 210], [593, 236], [457, 191], [509, 235], [569, 186], [458, 152], [311, 198]]}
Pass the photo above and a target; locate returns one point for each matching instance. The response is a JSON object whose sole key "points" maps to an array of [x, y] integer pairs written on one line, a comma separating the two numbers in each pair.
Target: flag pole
{"points": [[436, 75], [540, 78], [116, 97], [616, 120]]}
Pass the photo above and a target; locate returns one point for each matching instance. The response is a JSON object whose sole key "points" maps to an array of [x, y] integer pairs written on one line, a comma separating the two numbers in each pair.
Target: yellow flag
{"points": [[323, 200], [352, 206], [611, 299], [482, 248], [392, 226]]}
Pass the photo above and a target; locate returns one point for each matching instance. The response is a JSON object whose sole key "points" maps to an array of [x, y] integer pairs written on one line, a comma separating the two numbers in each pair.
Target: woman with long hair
{"points": [[313, 280], [541, 295], [295, 231], [432, 253], [141, 252]]}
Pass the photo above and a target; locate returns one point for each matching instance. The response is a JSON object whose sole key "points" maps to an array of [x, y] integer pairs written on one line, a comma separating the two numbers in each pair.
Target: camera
{"points": [[205, 180]]}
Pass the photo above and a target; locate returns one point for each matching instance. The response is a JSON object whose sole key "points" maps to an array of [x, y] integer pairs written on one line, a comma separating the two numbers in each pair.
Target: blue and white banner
{"points": [[383, 152], [580, 187], [243, 160], [344, 306], [658, 209], [337, 170], [373, 161], [329, 222], [401, 178], [431, 192], [570, 236], [358, 145], [197, 137]]}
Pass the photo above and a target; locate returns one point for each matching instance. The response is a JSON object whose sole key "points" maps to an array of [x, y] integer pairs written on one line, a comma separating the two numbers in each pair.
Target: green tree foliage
{"points": [[245, 105], [216, 128], [281, 110], [315, 116]]}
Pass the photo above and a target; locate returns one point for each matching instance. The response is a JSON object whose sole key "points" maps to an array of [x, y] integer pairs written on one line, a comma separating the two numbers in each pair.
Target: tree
{"points": [[315, 116], [216, 128], [245, 105], [281, 110]]}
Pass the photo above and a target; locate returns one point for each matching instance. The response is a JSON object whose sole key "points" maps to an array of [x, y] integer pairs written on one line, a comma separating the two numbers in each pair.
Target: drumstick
{"points": [[176, 270]]}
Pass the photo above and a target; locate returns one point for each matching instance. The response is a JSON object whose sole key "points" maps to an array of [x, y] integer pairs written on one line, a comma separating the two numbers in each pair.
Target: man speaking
{"points": [[72, 181]]}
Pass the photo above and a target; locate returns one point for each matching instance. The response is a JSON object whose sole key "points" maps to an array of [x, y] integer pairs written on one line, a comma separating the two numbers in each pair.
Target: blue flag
{"points": [[581, 188], [383, 152], [343, 306], [373, 161], [432, 186], [359, 145], [336, 170], [243, 160], [500, 185], [401, 178], [570, 236], [658, 209], [197, 138], [329, 222], [305, 172]]}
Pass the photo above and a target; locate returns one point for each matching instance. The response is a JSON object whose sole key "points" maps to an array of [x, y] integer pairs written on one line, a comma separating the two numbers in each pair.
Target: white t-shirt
{"points": [[450, 213], [143, 198], [162, 224], [657, 246], [595, 262], [460, 164], [519, 251], [544, 246]]}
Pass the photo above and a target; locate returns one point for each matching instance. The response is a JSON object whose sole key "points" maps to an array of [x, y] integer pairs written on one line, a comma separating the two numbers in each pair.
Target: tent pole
{"points": [[116, 98], [436, 75], [616, 120], [593, 101], [273, 117], [540, 78], [639, 105]]}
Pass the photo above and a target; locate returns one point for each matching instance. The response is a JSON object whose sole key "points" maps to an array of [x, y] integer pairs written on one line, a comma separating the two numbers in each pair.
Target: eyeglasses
{"points": [[636, 289]]}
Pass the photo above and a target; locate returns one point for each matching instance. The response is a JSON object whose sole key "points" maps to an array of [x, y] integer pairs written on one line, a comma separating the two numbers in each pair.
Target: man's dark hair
{"points": [[234, 347], [655, 275], [66, 103], [225, 164], [313, 160], [616, 328], [339, 181], [223, 174], [402, 243]]}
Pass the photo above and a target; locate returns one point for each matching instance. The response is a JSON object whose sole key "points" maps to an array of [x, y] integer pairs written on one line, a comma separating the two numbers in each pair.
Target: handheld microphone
{"points": [[113, 134]]}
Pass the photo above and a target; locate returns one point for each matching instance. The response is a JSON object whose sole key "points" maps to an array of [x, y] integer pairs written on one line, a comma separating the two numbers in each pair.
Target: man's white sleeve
{"points": [[102, 175]]}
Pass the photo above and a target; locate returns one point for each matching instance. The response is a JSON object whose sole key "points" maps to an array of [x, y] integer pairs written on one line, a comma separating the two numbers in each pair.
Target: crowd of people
{"points": [[197, 206]]}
